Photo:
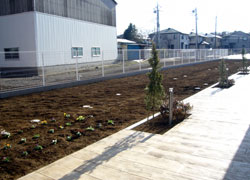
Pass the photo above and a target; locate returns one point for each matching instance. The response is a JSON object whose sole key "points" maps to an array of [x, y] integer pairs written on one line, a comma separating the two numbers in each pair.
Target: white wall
{"points": [[60, 34], [18, 31]]}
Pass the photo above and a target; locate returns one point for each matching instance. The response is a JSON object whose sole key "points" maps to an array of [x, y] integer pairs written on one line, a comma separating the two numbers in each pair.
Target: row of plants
{"points": [[77, 133]]}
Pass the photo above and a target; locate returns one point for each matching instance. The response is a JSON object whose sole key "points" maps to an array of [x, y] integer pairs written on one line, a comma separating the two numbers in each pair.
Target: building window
{"points": [[96, 51], [77, 52], [11, 53]]}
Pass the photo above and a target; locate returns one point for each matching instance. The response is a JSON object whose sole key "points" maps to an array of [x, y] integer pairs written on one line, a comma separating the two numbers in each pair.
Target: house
{"points": [[172, 39], [55, 32], [213, 41], [236, 40], [202, 43]]}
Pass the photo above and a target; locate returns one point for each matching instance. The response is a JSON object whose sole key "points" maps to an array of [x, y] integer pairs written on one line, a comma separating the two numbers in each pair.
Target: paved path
{"points": [[213, 143]]}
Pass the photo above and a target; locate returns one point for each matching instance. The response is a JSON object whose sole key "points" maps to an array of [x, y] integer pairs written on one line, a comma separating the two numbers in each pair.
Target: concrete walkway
{"points": [[213, 143]]}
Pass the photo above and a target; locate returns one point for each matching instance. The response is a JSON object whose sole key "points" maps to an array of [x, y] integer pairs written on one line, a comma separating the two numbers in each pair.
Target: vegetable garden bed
{"points": [[72, 118]]}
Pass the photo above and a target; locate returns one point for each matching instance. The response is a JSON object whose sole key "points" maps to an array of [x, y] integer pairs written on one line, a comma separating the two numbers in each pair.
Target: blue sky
{"points": [[177, 14]]}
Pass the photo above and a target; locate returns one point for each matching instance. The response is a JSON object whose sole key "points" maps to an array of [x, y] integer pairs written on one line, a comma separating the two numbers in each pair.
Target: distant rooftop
{"points": [[170, 31]]}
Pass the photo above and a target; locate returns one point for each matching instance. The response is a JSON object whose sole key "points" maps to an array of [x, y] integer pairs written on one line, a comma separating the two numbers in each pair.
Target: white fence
{"points": [[39, 68]]}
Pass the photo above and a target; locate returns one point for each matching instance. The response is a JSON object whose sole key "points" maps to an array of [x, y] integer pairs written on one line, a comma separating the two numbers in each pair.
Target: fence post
{"points": [[43, 70], [171, 92], [164, 58], [182, 56], [77, 73], [123, 57], [102, 63]]}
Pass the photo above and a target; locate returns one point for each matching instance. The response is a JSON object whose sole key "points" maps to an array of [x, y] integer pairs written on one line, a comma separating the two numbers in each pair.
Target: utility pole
{"points": [[215, 34], [158, 27], [196, 27]]}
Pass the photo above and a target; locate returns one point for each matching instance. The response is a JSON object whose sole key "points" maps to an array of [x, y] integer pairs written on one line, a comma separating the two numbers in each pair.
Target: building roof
{"points": [[194, 34], [169, 31], [212, 36], [125, 41]]}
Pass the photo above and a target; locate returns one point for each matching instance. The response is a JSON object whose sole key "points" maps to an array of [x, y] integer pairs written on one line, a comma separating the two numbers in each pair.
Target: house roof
{"points": [[169, 31], [114, 1], [194, 34], [125, 41], [212, 36]]}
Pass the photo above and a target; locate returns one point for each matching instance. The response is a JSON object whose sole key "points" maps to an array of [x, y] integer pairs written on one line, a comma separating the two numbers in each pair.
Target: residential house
{"points": [[172, 39], [202, 43], [236, 40], [69, 30], [213, 41]]}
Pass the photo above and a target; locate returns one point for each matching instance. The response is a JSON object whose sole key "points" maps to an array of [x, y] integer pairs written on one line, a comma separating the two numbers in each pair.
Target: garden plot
{"points": [[65, 126]]}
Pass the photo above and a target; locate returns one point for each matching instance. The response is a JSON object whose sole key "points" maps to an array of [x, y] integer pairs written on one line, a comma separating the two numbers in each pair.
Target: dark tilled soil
{"points": [[124, 110]]}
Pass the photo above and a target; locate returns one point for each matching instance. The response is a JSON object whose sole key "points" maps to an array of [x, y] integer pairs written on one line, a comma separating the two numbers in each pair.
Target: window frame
{"points": [[76, 52], [11, 54], [94, 50]]}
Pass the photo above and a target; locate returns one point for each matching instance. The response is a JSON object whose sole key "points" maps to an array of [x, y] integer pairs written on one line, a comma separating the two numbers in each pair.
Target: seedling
{"points": [[33, 127], [53, 119], [111, 122], [66, 115], [78, 134], [61, 127], [6, 159], [80, 118], [68, 124], [90, 128], [20, 132], [68, 138], [7, 146], [23, 140], [52, 131], [38, 147], [54, 141], [44, 122], [25, 153], [5, 134], [36, 136]]}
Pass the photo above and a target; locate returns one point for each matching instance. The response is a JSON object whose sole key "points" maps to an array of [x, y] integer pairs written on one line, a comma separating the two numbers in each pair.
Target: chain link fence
{"points": [[35, 69]]}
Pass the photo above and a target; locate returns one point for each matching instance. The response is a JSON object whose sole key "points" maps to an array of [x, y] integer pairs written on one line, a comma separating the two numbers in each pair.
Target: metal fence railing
{"points": [[34, 69]]}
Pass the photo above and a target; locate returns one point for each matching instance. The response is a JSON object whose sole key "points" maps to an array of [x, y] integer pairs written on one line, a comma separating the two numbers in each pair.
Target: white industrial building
{"points": [[55, 32]]}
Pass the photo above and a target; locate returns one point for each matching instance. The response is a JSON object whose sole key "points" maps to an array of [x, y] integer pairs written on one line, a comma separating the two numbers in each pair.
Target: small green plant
{"points": [[38, 147], [5, 134], [90, 128], [224, 82], [66, 115], [52, 131], [244, 69], [111, 122], [53, 119], [44, 122], [68, 124], [25, 153], [54, 142], [78, 134], [7, 146], [6, 159], [80, 118], [36, 136], [33, 127], [20, 132], [61, 127], [69, 138], [155, 92], [23, 140]]}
